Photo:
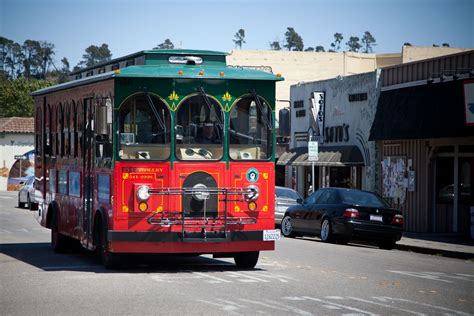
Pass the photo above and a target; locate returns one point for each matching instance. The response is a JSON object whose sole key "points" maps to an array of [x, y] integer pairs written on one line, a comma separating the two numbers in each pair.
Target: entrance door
{"points": [[465, 193], [88, 166]]}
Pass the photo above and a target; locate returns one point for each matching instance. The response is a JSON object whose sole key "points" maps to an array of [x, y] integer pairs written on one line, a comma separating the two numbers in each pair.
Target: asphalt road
{"points": [[302, 277]]}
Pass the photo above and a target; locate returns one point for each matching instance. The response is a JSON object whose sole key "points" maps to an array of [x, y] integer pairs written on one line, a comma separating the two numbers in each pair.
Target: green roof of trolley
{"points": [[157, 63]]}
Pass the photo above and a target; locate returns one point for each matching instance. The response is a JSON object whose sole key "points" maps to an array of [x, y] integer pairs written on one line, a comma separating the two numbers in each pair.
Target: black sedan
{"points": [[339, 214]]}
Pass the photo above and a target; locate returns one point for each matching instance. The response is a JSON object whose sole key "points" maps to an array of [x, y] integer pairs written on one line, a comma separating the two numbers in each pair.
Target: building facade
{"points": [[424, 133], [341, 125], [16, 139]]}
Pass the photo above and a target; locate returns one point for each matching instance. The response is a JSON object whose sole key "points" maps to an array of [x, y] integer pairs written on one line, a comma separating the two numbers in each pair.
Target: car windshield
{"points": [[287, 193], [362, 198]]}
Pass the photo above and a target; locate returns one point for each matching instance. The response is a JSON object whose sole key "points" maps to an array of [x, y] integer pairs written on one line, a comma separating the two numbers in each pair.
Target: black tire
{"points": [[30, 205], [20, 204], [107, 258], [386, 244], [246, 260], [286, 227], [59, 242], [326, 233]]}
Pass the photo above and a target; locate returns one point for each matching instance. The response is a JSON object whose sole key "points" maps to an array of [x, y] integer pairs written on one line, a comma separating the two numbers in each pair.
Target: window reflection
{"points": [[145, 128], [199, 129], [250, 130]]}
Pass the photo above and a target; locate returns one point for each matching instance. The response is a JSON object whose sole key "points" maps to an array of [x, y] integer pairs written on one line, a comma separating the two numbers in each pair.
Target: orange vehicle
{"points": [[162, 151]]}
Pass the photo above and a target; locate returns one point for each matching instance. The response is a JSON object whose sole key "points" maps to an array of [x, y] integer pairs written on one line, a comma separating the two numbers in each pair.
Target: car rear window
{"points": [[362, 198], [287, 193]]}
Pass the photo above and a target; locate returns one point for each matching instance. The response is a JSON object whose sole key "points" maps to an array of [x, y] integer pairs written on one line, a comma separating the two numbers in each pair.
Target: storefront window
{"points": [[444, 180]]}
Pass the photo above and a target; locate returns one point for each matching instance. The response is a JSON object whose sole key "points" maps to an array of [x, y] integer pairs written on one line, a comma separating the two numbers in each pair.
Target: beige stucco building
{"points": [[300, 67]]}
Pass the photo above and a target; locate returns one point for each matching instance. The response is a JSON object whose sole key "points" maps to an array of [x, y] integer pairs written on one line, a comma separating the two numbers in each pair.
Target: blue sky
{"points": [[131, 26]]}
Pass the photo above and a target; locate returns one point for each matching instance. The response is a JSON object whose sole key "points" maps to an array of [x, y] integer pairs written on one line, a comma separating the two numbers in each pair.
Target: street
{"points": [[303, 276]]}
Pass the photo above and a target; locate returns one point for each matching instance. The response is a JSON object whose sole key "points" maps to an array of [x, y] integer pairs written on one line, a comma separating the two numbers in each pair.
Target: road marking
{"points": [[422, 275], [213, 278], [330, 307], [385, 298], [225, 307], [335, 297], [263, 304], [338, 305], [291, 308], [252, 279], [279, 277], [385, 305]]}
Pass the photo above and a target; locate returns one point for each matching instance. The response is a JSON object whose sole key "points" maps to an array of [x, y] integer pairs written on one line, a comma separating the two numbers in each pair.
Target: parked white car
{"points": [[26, 195], [284, 198]]}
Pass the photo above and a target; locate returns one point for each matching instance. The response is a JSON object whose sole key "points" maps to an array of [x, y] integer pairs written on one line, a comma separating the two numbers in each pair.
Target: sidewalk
{"points": [[448, 245]]}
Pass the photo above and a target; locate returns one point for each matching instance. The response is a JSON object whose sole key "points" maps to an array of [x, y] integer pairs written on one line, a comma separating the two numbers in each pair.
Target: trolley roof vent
{"points": [[187, 60]]}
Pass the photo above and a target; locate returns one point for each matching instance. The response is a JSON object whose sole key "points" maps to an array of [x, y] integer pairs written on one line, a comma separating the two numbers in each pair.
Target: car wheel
{"points": [[326, 231], [287, 227], [28, 203], [386, 244], [246, 260], [20, 204]]}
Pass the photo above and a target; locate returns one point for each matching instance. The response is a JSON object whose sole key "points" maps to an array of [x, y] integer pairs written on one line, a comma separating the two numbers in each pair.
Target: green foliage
{"points": [[353, 44], [336, 45], [167, 44], [95, 55], [309, 49], [239, 38], [294, 42], [275, 45], [15, 98], [319, 49], [368, 41]]}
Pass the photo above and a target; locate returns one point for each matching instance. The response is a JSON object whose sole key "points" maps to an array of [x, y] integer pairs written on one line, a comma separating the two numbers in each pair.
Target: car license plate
{"points": [[273, 234], [376, 218]]}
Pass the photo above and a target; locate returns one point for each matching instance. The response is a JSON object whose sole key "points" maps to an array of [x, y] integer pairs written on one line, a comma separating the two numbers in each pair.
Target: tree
{"points": [[336, 45], [239, 38], [167, 44], [319, 49], [368, 41], [95, 55], [15, 98], [45, 58], [30, 53], [294, 42], [353, 44], [407, 44], [445, 45], [309, 49], [275, 45]]}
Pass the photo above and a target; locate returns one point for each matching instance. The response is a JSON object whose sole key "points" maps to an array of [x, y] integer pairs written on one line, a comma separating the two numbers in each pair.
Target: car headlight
{"points": [[143, 193]]}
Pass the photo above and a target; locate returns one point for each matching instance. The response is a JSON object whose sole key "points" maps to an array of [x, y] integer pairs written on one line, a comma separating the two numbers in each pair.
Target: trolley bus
{"points": [[162, 151]]}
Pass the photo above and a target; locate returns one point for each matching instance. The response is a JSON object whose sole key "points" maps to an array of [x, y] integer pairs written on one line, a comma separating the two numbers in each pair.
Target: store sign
{"points": [[337, 134], [318, 101], [469, 102]]}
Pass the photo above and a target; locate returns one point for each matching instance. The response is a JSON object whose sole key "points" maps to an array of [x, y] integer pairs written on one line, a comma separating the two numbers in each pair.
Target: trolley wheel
{"points": [[108, 259], [59, 242], [246, 260]]}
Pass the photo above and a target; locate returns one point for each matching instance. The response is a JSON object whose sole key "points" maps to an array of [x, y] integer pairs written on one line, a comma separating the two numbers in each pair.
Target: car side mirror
{"points": [[299, 201]]}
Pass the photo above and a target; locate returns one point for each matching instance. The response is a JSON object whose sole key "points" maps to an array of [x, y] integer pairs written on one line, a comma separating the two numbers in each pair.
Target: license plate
{"points": [[376, 218], [273, 234]]}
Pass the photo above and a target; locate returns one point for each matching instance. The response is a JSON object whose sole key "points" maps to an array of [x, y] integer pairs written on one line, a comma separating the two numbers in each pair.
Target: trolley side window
{"points": [[250, 130], [144, 125]]}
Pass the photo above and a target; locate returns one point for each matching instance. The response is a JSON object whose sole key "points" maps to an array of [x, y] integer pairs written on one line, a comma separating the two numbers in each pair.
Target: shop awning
{"points": [[287, 158], [428, 111], [328, 156]]}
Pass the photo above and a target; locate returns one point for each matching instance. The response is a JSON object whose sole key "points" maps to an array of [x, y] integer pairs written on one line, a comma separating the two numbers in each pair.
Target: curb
{"points": [[438, 252]]}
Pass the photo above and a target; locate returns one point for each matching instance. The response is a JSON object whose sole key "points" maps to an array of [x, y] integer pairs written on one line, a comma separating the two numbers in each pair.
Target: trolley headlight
{"points": [[143, 193], [200, 195], [252, 193]]}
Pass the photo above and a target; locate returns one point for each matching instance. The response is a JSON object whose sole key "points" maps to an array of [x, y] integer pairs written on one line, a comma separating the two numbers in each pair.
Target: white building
{"points": [[16, 139], [346, 157]]}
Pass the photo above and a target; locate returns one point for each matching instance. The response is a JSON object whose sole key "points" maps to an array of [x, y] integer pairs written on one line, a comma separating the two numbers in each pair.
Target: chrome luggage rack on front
{"points": [[167, 219]]}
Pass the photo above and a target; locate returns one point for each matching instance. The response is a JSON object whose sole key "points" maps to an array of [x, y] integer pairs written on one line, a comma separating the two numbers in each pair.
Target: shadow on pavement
{"points": [[41, 256]]}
